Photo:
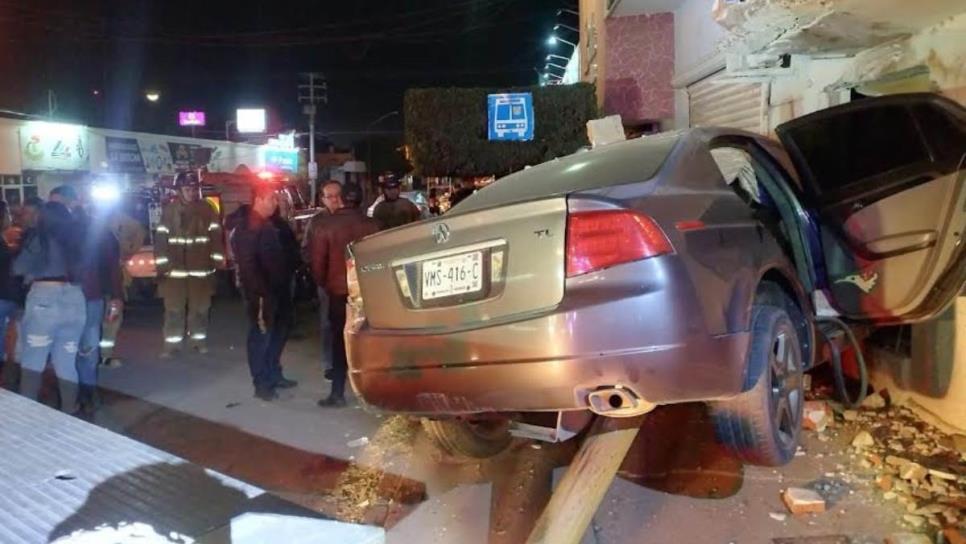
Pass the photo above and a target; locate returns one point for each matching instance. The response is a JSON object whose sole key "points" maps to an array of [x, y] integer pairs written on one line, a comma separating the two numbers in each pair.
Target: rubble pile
{"points": [[363, 485], [907, 461]]}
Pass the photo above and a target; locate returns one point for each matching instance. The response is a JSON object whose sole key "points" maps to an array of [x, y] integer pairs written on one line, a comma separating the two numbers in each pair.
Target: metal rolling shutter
{"points": [[736, 105]]}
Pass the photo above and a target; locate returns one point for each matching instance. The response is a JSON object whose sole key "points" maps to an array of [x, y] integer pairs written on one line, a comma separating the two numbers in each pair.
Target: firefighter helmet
{"points": [[186, 179]]}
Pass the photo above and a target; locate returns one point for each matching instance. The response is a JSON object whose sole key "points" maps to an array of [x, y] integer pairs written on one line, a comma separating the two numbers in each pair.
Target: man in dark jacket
{"points": [[394, 211], [329, 270], [265, 273]]}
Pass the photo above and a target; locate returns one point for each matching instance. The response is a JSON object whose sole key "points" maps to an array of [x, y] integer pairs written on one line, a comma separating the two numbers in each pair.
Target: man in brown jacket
{"points": [[329, 243]]}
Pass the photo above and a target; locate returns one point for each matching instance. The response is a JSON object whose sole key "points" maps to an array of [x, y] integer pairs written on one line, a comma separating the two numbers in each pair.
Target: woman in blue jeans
{"points": [[55, 309]]}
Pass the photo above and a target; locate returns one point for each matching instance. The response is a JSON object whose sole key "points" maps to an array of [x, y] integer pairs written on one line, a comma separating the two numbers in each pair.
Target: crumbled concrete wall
{"points": [[941, 49], [811, 26], [947, 411]]}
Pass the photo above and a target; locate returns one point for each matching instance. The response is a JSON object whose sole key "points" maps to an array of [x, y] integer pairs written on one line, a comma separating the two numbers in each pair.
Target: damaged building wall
{"points": [[939, 51], [946, 405], [640, 64], [934, 59]]}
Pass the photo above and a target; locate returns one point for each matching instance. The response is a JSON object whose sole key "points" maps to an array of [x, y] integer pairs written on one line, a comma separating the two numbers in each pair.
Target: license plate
{"points": [[457, 275]]}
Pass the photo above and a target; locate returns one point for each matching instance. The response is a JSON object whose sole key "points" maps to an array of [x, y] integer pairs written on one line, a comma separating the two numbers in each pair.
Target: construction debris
{"points": [[863, 440], [818, 415], [942, 475], [799, 500], [874, 402], [913, 471], [914, 520], [913, 465], [884, 481]]}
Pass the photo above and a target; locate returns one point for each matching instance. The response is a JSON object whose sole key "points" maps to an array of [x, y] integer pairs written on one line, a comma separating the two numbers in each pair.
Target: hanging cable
{"points": [[837, 371]]}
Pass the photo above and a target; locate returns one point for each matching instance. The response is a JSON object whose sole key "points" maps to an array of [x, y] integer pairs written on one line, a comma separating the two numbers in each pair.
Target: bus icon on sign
{"points": [[511, 116]]}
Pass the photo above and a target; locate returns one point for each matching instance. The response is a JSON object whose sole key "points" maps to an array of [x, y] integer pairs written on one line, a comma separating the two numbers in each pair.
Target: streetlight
{"points": [[554, 39], [558, 26], [561, 57], [570, 11], [549, 64], [152, 96]]}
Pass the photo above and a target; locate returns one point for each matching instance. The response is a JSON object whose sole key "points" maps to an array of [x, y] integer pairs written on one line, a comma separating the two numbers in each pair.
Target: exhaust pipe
{"points": [[617, 401]]}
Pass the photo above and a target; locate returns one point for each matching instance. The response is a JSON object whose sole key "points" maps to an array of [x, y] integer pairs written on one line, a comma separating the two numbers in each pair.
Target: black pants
{"points": [[265, 348], [340, 365]]}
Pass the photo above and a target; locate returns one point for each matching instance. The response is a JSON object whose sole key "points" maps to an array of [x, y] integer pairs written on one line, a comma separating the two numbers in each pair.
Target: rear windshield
{"points": [[614, 164]]}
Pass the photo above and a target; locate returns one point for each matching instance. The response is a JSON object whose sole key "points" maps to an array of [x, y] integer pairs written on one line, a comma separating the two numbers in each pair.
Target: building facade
{"points": [[36, 156], [754, 64]]}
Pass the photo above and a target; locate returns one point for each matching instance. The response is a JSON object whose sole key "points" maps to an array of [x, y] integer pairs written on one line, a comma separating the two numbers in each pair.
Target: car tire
{"points": [[476, 439], [761, 426]]}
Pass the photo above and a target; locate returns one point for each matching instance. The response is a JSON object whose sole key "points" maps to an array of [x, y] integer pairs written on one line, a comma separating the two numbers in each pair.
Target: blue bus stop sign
{"points": [[510, 116]]}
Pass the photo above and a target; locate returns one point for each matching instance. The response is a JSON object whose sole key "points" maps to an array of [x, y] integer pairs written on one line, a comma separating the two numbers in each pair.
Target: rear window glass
{"points": [[947, 138], [847, 149], [609, 165]]}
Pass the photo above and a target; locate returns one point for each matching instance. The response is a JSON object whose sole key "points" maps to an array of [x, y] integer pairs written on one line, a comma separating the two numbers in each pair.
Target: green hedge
{"points": [[446, 129]]}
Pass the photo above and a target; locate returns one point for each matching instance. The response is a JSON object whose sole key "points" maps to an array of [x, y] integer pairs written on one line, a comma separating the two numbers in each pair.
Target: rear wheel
{"points": [[761, 426], [478, 439]]}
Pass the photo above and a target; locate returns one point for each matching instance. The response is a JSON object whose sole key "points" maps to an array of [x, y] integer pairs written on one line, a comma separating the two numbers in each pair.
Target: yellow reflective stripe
{"points": [[199, 336], [174, 339], [162, 229], [213, 226], [107, 343], [218, 256], [201, 273], [161, 260], [178, 274], [202, 240]]}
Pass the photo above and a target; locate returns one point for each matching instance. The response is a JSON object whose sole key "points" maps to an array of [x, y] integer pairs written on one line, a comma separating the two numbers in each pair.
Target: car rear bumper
{"points": [[612, 329]]}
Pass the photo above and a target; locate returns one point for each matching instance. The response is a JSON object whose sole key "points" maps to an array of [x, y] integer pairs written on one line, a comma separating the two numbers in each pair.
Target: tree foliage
{"points": [[446, 129]]}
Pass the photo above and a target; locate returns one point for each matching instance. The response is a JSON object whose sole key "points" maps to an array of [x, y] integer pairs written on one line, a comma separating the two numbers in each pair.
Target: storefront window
{"points": [[17, 189]]}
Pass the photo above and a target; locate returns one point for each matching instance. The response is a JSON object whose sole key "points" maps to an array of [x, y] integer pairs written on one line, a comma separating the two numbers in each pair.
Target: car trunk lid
{"points": [[466, 269]]}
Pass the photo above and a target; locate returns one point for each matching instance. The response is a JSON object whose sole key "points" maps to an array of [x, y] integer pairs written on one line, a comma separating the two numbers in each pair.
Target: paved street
{"points": [[677, 484]]}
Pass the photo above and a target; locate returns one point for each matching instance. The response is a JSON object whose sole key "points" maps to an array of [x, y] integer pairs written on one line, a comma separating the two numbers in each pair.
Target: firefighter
{"points": [[188, 248]]}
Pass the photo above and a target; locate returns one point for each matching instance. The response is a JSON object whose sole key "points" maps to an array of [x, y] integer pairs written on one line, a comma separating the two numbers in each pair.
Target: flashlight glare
{"points": [[105, 193]]}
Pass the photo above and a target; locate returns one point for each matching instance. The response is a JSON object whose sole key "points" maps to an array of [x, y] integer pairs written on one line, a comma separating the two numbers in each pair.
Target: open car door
{"points": [[886, 177]]}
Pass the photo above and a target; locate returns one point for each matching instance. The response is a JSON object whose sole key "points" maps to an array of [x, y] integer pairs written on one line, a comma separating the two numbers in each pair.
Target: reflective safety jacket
{"points": [[188, 242]]}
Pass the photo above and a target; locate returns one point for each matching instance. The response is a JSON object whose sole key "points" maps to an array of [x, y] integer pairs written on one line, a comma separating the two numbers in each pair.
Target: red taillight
{"points": [[600, 239]]}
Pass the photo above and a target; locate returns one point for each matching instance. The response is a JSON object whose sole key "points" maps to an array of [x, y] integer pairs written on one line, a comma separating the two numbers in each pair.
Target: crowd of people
{"points": [[267, 264], [62, 281]]}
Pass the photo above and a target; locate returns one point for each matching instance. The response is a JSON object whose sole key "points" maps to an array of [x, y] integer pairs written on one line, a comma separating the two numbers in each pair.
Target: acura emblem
{"points": [[441, 233]]}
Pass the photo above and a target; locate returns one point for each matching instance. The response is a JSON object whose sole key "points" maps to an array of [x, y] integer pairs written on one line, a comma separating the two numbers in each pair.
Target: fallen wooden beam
{"points": [[576, 498]]}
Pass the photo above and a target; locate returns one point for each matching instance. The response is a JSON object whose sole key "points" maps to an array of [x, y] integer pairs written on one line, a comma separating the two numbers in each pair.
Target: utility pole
{"points": [[310, 95], [51, 103]]}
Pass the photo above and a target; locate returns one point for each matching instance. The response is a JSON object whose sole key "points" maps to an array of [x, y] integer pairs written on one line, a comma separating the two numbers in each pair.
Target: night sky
{"points": [[217, 55]]}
